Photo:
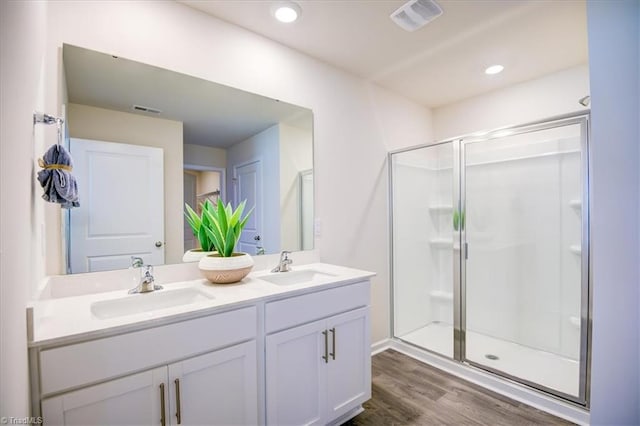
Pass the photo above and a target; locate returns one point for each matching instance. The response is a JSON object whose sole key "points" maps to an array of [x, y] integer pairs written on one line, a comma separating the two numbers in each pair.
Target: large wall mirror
{"points": [[147, 140]]}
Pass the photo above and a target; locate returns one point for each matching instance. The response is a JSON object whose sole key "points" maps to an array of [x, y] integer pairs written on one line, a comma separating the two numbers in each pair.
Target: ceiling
{"points": [[438, 64], [212, 114]]}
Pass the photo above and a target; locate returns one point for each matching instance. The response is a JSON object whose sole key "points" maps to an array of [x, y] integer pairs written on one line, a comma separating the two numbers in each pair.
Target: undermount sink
{"points": [[147, 302], [296, 277]]}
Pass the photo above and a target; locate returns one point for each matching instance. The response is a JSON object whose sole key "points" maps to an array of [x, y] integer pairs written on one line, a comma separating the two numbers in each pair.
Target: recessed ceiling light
{"points": [[494, 69], [286, 11]]}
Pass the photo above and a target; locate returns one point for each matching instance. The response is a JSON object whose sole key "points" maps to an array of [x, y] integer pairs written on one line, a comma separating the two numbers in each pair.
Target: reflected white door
{"points": [[121, 211], [248, 186], [189, 184]]}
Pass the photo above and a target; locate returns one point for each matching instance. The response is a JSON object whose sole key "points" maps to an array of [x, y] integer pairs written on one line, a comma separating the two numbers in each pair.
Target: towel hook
{"points": [[39, 117]]}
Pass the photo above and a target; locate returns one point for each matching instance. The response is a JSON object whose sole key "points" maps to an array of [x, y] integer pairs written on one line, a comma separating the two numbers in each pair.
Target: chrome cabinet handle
{"points": [[326, 347], [162, 419], [178, 414], [333, 339]]}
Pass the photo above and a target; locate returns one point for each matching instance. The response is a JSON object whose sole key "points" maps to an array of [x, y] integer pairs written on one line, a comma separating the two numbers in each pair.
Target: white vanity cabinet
{"points": [[267, 354], [133, 399], [219, 387], [318, 356]]}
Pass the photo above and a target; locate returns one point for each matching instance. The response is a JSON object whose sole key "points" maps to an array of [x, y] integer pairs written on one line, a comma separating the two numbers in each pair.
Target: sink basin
{"points": [[138, 303], [296, 277]]}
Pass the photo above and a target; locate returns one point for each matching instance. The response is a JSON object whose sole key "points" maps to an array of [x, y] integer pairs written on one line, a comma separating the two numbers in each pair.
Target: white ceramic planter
{"points": [[195, 255], [225, 270]]}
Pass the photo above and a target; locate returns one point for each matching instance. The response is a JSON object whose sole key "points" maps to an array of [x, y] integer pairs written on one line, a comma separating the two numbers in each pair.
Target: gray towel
{"points": [[55, 177]]}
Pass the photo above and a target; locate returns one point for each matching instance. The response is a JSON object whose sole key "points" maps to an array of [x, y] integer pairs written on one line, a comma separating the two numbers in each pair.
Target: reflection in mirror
{"points": [[147, 140]]}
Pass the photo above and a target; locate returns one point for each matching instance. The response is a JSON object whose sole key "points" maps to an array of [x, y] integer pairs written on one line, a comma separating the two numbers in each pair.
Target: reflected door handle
{"points": [[158, 244]]}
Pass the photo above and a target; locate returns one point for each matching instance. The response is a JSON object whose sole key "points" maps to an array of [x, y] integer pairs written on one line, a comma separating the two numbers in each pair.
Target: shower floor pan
{"points": [[545, 368]]}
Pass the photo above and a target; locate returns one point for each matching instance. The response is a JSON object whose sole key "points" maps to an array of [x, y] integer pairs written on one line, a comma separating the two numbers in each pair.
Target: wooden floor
{"points": [[408, 392]]}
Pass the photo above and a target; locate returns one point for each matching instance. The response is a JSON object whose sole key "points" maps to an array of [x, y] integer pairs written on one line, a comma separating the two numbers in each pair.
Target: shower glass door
{"points": [[422, 193], [525, 292]]}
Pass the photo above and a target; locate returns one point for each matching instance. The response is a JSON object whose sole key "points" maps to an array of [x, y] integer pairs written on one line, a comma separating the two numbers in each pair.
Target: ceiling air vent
{"points": [[415, 14], [146, 109]]}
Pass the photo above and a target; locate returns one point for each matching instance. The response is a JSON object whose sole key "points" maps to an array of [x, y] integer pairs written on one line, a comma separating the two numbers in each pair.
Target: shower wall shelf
{"points": [[441, 296], [574, 321], [441, 243], [576, 249], [441, 208]]}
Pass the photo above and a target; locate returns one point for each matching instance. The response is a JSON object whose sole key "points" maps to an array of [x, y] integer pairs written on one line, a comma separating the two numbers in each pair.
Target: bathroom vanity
{"points": [[278, 348]]}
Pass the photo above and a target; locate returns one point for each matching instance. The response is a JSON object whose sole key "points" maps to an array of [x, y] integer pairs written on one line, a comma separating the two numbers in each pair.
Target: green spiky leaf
{"points": [[219, 226]]}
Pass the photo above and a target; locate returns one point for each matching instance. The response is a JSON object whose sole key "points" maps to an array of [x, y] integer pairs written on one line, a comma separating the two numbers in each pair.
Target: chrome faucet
{"points": [[147, 282], [136, 262], [283, 264]]}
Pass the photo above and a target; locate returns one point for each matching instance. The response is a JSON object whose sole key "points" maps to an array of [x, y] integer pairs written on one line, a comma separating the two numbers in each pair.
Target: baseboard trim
{"points": [[347, 416], [380, 346], [496, 384]]}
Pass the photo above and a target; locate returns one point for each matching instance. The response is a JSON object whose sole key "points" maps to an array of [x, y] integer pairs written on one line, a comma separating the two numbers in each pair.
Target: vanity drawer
{"points": [[96, 360], [287, 313]]}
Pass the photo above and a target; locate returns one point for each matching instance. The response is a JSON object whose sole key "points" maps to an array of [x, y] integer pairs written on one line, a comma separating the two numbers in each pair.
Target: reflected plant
{"points": [[199, 225], [458, 220]]}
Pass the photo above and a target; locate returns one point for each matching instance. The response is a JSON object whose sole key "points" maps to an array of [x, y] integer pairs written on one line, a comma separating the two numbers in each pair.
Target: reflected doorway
{"points": [[201, 184]]}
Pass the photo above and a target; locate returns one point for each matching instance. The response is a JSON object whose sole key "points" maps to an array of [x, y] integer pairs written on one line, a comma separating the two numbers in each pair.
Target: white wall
{"points": [[88, 122], [23, 30], [548, 96], [614, 57], [207, 182], [204, 156]]}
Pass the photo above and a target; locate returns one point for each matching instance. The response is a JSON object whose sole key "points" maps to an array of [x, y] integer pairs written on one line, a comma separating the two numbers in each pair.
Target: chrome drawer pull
{"points": [[326, 347], [333, 339]]}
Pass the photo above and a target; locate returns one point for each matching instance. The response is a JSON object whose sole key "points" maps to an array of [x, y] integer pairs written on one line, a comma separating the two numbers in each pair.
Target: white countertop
{"points": [[65, 320]]}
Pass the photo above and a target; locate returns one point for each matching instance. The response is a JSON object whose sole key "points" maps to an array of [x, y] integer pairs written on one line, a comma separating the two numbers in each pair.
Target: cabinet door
{"points": [[296, 376], [134, 399], [349, 372], [218, 388]]}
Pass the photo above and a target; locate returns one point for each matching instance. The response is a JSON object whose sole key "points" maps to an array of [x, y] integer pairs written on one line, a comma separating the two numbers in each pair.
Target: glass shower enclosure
{"points": [[490, 252]]}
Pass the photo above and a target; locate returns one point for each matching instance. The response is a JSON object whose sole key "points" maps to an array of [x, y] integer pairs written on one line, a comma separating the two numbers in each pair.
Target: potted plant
{"points": [[199, 224], [225, 226]]}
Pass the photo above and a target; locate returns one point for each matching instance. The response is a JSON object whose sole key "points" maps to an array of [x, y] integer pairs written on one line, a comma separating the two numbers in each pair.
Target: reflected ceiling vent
{"points": [[146, 109], [415, 14]]}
